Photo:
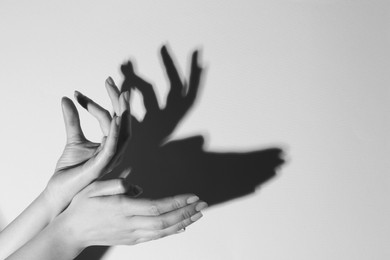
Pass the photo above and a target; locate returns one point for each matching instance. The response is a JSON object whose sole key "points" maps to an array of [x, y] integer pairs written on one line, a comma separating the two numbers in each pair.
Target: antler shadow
{"points": [[182, 166]]}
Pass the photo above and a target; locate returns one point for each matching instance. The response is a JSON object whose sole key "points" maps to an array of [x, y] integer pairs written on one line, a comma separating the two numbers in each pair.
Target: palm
{"points": [[76, 153]]}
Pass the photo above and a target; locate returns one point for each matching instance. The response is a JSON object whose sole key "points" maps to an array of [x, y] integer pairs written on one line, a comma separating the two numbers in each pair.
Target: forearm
{"points": [[54, 242], [27, 225]]}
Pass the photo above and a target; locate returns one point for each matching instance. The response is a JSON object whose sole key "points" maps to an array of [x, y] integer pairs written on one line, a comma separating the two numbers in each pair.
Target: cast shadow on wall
{"points": [[182, 166]]}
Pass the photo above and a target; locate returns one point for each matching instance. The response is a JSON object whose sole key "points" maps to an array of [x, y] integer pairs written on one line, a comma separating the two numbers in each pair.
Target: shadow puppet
{"points": [[164, 168]]}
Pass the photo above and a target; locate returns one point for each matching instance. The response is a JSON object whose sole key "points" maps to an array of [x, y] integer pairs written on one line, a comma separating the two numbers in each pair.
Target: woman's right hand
{"points": [[101, 215]]}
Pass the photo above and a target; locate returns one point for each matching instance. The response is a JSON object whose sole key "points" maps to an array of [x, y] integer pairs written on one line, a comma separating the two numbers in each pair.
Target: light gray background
{"points": [[310, 76]]}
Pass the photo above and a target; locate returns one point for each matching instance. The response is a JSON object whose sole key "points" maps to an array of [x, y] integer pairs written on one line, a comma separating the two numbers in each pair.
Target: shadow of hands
{"points": [[164, 168], [159, 123], [181, 166]]}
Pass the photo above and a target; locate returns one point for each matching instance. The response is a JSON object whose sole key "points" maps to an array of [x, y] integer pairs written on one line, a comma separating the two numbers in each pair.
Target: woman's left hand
{"points": [[83, 161]]}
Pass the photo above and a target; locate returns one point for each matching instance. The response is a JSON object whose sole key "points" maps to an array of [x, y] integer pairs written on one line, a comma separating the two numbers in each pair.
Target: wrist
{"points": [[64, 236], [49, 202]]}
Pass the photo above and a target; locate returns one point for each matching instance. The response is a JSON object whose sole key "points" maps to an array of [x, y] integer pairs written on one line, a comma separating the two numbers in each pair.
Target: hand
{"points": [[99, 215], [160, 121], [83, 161]]}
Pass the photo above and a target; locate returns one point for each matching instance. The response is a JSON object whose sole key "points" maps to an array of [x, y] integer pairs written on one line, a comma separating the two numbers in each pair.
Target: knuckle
{"points": [[186, 214], [181, 225], [157, 235], [154, 210], [123, 203], [161, 224], [176, 203]]}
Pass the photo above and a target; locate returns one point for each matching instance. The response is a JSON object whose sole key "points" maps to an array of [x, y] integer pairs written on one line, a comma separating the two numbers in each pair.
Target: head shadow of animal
{"points": [[166, 168]]}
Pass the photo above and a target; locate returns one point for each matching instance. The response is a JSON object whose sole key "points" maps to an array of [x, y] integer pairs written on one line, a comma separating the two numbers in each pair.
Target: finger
{"points": [[173, 75], [168, 219], [123, 141], [149, 96], [126, 117], [113, 187], [108, 187], [107, 153], [123, 103], [101, 114], [148, 235], [113, 93], [145, 207], [72, 121], [146, 89], [195, 76], [127, 71]]}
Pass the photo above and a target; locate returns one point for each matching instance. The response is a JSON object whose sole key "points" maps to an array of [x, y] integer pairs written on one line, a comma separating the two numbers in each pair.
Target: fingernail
{"points": [[180, 231], [83, 100], [137, 190], [200, 206], [117, 120], [110, 81], [192, 199], [197, 216], [125, 173]]}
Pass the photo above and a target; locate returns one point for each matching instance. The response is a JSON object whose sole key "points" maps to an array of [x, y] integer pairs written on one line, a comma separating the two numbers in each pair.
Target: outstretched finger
{"points": [[146, 207], [173, 75], [195, 76], [168, 219], [148, 235], [113, 93], [72, 121], [101, 114]]}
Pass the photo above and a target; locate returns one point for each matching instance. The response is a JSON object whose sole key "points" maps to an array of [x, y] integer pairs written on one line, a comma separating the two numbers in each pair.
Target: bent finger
{"points": [[72, 121], [101, 114], [108, 187], [113, 93], [114, 187], [107, 153]]}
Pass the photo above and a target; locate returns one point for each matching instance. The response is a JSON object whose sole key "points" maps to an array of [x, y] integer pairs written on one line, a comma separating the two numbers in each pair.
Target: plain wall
{"points": [[309, 76]]}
